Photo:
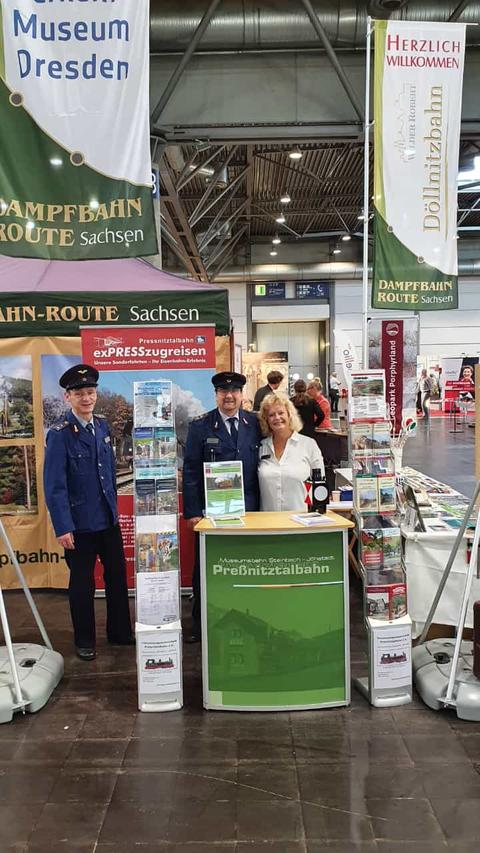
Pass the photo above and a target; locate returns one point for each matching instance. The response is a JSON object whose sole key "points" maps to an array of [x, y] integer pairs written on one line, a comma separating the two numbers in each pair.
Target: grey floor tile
{"points": [[279, 821], [79, 785], [170, 785], [404, 820], [459, 818], [16, 822], [436, 749], [68, 824]]}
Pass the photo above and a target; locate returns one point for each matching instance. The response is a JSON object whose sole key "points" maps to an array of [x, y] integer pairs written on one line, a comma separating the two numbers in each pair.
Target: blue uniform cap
{"points": [[228, 381], [79, 376]]}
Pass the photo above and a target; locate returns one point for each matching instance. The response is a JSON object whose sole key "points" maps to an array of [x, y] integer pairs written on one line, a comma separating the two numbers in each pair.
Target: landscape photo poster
{"points": [[418, 82], [75, 165]]}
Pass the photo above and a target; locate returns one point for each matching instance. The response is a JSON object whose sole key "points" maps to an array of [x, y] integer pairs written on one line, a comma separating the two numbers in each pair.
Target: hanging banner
{"points": [[393, 347], [348, 354], [418, 99], [75, 167]]}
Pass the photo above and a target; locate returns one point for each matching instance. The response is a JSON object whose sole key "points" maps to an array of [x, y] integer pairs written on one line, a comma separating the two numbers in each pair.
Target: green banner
{"points": [[32, 314], [75, 166], [276, 620]]}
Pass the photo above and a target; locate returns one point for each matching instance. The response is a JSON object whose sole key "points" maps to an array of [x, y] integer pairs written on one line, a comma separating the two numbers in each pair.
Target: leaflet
{"points": [[224, 494]]}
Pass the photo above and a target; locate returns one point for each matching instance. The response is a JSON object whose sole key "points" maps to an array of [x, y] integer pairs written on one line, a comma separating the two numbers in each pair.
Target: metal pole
{"points": [[172, 83], [462, 615], [448, 567], [13, 665], [317, 26], [28, 594], [366, 198]]}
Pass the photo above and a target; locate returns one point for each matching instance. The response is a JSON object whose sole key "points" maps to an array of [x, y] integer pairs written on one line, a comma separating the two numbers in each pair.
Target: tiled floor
{"points": [[90, 773]]}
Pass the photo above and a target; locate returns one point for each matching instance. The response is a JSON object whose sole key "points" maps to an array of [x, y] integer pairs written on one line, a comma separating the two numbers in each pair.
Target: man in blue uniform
{"points": [[81, 495], [224, 434]]}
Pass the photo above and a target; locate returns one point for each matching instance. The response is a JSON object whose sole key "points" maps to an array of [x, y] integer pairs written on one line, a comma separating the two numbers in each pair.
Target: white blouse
{"points": [[282, 480]]}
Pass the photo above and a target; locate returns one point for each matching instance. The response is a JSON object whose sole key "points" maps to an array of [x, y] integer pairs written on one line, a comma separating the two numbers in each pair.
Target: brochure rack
{"points": [[388, 625], [158, 626]]}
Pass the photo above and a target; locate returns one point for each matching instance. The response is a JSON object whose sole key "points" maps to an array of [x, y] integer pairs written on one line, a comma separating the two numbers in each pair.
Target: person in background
{"points": [[274, 380], [247, 405], [315, 391], [224, 434], [81, 496], [311, 415], [424, 388], [334, 391], [286, 459]]}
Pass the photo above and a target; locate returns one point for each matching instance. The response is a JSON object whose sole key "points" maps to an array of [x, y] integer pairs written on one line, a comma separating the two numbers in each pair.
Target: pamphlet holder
{"points": [[159, 667], [387, 641]]}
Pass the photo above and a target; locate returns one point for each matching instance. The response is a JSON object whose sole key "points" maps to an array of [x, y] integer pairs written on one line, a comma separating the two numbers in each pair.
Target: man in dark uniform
{"points": [[81, 495], [224, 434], [274, 380]]}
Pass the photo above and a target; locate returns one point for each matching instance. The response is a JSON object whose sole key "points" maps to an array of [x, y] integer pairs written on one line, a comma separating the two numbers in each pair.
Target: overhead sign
{"points": [[75, 167], [312, 289], [271, 290], [418, 100]]}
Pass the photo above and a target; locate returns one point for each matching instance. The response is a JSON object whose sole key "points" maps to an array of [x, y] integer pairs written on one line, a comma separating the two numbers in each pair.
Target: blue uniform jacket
{"points": [[208, 440], [79, 476]]}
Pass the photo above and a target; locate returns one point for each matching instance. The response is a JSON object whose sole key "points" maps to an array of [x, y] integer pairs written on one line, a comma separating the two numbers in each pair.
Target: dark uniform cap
{"points": [[228, 381], [79, 376]]}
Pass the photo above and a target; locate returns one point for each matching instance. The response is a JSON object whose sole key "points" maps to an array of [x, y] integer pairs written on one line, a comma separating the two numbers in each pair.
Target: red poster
{"points": [[124, 355], [392, 363], [150, 348]]}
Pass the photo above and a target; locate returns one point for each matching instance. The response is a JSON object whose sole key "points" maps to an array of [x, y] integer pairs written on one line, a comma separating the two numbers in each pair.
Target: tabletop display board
{"points": [[275, 614]]}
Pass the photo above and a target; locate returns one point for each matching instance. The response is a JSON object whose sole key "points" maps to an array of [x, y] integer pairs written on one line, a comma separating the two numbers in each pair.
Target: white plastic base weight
{"points": [[432, 664], [39, 671]]}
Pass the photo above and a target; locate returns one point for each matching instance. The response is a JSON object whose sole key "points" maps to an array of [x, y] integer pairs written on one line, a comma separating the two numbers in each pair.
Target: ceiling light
{"points": [[285, 199], [296, 154], [346, 238], [94, 204], [280, 219], [309, 375], [361, 217], [56, 161], [203, 170], [336, 251], [273, 253], [30, 225], [295, 376], [276, 240]]}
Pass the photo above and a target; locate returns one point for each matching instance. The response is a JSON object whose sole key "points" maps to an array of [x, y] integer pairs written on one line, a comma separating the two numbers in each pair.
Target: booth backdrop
{"points": [[43, 305]]}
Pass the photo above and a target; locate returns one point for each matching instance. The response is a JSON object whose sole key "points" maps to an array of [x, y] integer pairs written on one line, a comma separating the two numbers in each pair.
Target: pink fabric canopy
{"points": [[28, 275]]}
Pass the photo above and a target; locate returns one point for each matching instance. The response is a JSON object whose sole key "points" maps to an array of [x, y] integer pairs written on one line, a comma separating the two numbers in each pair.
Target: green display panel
{"points": [[275, 611]]}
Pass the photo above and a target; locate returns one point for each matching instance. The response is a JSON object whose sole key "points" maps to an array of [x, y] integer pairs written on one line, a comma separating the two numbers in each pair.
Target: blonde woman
{"points": [[286, 457]]}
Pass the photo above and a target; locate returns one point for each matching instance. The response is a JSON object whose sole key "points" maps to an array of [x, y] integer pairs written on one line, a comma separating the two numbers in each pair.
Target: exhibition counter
{"points": [[275, 613]]}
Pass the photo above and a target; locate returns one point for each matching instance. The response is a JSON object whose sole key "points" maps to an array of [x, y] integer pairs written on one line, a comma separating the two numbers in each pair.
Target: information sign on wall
{"points": [[270, 290], [312, 289]]}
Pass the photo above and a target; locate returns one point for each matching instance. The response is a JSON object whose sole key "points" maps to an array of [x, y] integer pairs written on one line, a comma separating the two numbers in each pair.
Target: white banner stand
{"points": [[29, 673]]}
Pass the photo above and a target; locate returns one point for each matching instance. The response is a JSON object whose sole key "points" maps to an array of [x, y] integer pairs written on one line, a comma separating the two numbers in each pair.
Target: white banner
{"points": [[418, 100], [348, 354]]}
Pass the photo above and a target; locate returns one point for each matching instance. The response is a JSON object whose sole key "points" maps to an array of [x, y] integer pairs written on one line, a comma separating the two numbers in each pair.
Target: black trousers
{"points": [[106, 544], [334, 396]]}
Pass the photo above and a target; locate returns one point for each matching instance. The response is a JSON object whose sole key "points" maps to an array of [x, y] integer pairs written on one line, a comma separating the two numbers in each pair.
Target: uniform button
{"points": [[101, 478], [99, 464]]}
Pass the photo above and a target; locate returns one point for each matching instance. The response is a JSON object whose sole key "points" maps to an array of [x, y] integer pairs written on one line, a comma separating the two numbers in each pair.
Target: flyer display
{"points": [[367, 399], [224, 492], [159, 663]]}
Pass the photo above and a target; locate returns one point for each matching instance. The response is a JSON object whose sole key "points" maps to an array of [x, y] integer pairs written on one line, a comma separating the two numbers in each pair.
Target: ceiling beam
{"points": [[200, 209], [177, 74], [181, 216], [318, 27]]}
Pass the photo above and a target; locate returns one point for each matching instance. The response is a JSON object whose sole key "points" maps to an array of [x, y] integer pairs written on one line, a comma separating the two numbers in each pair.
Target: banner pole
{"points": [[366, 183]]}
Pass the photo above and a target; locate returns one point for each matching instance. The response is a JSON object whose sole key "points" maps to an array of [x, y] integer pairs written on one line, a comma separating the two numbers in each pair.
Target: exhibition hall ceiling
{"points": [[239, 87]]}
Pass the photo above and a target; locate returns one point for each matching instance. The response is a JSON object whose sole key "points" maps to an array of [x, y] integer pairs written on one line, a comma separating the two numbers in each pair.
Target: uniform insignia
{"points": [[75, 428], [60, 426], [199, 418], [107, 439], [100, 417], [245, 421], [81, 371]]}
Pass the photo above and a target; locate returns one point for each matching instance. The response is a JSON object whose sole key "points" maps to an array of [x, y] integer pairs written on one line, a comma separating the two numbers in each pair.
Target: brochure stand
{"points": [[158, 627], [29, 673], [388, 625], [443, 668]]}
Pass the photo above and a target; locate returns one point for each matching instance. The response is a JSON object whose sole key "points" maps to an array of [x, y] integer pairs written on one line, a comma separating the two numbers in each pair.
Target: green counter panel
{"points": [[274, 608]]}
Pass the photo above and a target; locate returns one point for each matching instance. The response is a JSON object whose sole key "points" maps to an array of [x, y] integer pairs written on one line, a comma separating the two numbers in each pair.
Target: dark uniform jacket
{"points": [[79, 477], [260, 395], [208, 440]]}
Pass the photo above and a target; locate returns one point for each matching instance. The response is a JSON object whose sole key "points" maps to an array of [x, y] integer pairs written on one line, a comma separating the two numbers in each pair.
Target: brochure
{"points": [[157, 552], [228, 521], [367, 398], [145, 503], [152, 403], [166, 495], [224, 494], [366, 494], [392, 547], [381, 439], [386, 492], [372, 547], [158, 599], [387, 602], [361, 437], [311, 519]]}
